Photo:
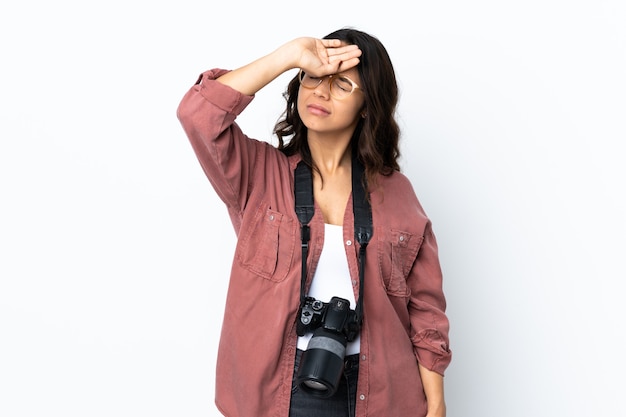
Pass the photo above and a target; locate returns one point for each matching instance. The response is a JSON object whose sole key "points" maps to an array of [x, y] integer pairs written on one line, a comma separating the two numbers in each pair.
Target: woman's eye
{"points": [[344, 84]]}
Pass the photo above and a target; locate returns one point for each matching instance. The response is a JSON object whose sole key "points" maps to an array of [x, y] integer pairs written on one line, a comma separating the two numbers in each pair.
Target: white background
{"points": [[115, 252]]}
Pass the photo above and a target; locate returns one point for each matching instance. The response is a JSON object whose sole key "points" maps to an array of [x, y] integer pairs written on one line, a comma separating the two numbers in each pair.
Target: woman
{"points": [[392, 340]]}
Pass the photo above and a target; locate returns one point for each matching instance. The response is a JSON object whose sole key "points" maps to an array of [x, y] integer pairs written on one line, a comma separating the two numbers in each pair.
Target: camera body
{"points": [[334, 316], [333, 325]]}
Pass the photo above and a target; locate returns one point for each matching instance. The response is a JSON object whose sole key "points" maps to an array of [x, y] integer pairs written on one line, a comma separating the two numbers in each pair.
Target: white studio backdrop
{"points": [[115, 252]]}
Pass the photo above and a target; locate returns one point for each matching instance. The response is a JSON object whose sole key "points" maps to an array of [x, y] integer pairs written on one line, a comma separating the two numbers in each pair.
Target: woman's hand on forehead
{"points": [[321, 57]]}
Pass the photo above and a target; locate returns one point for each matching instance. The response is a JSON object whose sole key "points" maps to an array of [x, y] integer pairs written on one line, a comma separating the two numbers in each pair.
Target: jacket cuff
{"points": [[220, 95], [432, 350]]}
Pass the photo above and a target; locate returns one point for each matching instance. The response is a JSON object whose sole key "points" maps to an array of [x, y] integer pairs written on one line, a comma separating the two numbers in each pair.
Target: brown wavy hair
{"points": [[376, 138]]}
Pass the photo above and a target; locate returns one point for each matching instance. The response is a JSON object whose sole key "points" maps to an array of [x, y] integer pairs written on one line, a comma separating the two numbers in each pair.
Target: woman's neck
{"points": [[331, 156], [332, 180]]}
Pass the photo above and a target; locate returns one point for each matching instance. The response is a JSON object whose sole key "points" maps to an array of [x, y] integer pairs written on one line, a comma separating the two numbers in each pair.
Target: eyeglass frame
{"points": [[330, 77]]}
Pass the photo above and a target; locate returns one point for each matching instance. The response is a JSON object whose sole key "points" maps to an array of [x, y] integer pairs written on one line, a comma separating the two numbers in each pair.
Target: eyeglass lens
{"points": [[340, 87]]}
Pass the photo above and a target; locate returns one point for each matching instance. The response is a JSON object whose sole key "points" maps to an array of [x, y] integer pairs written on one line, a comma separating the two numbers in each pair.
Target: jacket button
{"points": [[348, 242], [361, 397]]}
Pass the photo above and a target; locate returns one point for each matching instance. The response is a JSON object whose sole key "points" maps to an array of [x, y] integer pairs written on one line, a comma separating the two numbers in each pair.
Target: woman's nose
{"points": [[323, 89]]}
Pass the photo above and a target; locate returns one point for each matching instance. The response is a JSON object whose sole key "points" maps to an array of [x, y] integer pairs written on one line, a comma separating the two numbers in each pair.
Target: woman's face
{"points": [[323, 113]]}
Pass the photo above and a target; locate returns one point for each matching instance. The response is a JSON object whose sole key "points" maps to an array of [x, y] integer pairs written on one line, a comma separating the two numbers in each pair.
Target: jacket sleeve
{"points": [[207, 113], [427, 305]]}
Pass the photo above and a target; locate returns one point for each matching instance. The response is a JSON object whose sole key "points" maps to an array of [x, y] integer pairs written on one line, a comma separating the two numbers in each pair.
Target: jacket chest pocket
{"points": [[266, 246], [397, 251]]}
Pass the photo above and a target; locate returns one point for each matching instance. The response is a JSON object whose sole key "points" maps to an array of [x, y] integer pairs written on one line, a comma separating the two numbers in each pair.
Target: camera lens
{"points": [[315, 385], [322, 363]]}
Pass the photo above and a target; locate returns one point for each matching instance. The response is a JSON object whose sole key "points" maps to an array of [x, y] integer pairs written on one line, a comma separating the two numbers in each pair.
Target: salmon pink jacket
{"points": [[404, 320]]}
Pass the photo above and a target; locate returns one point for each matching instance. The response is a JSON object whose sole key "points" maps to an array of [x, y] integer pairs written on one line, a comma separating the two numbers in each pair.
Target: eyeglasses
{"points": [[341, 87]]}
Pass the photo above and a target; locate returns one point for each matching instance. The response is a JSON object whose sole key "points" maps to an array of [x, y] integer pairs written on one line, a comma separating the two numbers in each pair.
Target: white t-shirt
{"points": [[332, 279]]}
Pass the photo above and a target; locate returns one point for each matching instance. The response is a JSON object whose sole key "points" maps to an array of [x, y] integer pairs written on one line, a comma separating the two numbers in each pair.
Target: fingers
{"points": [[335, 48], [343, 57], [345, 53], [346, 65], [328, 56], [331, 43]]}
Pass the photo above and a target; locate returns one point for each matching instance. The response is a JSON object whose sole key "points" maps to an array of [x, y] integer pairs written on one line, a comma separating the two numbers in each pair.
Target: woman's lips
{"points": [[318, 110]]}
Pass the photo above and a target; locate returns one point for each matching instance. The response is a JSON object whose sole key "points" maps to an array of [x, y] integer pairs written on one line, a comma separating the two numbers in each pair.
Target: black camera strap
{"points": [[303, 192], [363, 229]]}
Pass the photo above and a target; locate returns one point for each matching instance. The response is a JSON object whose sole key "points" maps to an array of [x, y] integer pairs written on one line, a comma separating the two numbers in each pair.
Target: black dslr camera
{"points": [[333, 325]]}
